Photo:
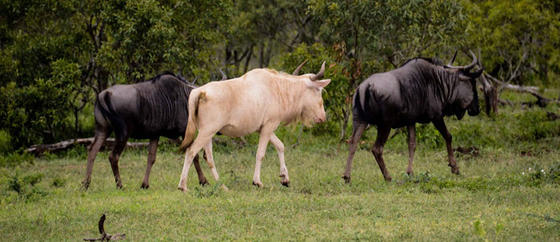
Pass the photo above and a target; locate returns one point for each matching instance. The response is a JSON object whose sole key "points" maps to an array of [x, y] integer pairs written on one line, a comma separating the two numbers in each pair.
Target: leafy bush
{"points": [[58, 182], [535, 124], [5, 142], [14, 159], [427, 135], [25, 186]]}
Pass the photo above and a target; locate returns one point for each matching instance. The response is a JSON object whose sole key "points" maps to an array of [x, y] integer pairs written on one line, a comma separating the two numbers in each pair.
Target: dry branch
{"points": [[63, 145], [541, 101], [105, 236]]}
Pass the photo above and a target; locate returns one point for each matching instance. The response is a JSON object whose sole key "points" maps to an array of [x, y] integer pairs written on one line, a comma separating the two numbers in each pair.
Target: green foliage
{"points": [[5, 142], [536, 124], [56, 55], [58, 182], [428, 135], [14, 159], [518, 39], [25, 187]]}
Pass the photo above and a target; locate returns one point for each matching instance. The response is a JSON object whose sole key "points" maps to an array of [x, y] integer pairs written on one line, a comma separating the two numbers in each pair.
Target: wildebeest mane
{"points": [[160, 103], [425, 84], [435, 61]]}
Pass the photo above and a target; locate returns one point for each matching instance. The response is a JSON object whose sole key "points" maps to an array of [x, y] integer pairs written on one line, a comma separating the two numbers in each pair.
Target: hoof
{"points": [[285, 183], [258, 184], [85, 185], [410, 173], [119, 186], [182, 189], [145, 186], [388, 179], [455, 170], [346, 179], [225, 188], [203, 182]]}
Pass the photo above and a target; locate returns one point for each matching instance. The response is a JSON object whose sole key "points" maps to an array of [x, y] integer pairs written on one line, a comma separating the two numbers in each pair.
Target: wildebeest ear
{"points": [[475, 74], [321, 83], [466, 76]]}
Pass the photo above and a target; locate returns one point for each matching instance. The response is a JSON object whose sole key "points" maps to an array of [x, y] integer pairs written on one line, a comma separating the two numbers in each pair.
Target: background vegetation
{"points": [[57, 54]]}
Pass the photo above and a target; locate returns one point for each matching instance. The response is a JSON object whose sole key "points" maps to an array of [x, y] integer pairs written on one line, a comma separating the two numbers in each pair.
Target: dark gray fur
{"points": [[146, 110], [420, 91]]}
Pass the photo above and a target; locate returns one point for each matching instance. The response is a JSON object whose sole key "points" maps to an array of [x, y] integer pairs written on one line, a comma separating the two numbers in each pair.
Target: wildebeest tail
{"points": [[194, 99], [104, 105], [360, 104]]}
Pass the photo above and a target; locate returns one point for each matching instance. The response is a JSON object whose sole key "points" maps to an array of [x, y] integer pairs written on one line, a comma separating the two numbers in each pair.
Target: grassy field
{"points": [[508, 190]]}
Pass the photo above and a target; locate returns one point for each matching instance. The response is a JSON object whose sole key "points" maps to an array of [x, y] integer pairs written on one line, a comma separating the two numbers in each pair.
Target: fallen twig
{"points": [[105, 236]]}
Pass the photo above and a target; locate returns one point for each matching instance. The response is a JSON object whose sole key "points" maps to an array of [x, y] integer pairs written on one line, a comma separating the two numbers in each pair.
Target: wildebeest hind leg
{"points": [[100, 136], [440, 126], [202, 139], [411, 148], [357, 132], [120, 143], [152, 150], [201, 178], [377, 150]]}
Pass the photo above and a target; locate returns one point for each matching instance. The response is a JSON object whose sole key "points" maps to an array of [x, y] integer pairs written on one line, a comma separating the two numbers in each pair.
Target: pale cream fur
{"points": [[260, 100]]}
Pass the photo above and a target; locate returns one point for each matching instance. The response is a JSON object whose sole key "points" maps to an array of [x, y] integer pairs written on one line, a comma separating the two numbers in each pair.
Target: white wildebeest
{"points": [[260, 101]]}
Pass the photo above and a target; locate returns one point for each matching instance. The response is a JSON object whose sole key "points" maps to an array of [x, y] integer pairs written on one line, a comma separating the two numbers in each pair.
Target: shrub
{"points": [[25, 186], [14, 159], [5, 142], [535, 125]]}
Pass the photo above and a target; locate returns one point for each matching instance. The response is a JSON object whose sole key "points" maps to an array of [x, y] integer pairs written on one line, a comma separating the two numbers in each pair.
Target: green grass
{"points": [[496, 197]]}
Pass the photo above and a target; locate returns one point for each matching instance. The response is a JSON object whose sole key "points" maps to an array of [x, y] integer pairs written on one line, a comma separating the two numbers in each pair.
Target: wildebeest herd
{"points": [[422, 90]]}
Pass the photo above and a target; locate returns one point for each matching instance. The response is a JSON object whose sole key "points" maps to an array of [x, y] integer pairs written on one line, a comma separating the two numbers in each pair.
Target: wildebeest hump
{"points": [[162, 108], [400, 97]]}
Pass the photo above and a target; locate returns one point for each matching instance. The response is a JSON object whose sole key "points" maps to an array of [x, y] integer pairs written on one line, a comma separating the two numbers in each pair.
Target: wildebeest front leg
{"points": [[357, 132], [100, 136], [120, 143], [152, 150], [264, 137], [411, 147], [440, 126], [280, 150], [377, 150]]}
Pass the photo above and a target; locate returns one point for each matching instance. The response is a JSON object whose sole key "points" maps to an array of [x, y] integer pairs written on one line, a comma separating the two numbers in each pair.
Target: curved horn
{"points": [[467, 67], [296, 71], [320, 74]]}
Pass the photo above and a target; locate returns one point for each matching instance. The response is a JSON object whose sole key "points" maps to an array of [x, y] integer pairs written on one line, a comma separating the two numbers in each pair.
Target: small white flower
{"points": [[530, 169], [542, 170], [522, 173]]}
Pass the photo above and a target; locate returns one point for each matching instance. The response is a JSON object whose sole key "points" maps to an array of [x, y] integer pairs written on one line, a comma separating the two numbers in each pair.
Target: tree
{"points": [[375, 36], [518, 42], [57, 54]]}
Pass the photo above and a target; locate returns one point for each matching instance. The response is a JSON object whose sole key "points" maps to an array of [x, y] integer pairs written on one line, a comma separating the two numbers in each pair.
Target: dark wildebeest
{"points": [[421, 91], [146, 110]]}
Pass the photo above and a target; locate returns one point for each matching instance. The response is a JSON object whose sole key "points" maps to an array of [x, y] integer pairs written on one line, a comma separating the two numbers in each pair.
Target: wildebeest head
{"points": [[466, 88], [311, 99]]}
